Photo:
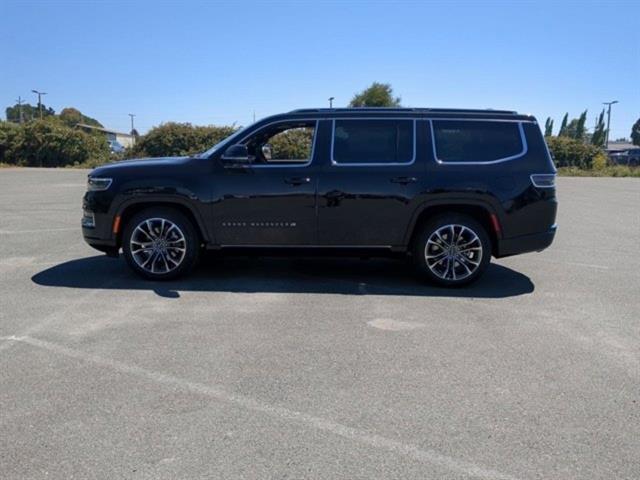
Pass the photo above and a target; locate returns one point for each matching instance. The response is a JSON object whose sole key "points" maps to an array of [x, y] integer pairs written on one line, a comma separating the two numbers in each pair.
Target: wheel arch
{"points": [[481, 211], [128, 209]]}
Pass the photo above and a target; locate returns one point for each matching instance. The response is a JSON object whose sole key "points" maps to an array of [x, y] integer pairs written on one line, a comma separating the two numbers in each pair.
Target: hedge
{"points": [[49, 143], [568, 152], [177, 139]]}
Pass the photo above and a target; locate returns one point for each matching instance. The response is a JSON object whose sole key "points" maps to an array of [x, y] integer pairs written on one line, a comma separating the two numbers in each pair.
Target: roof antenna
{"points": [[331, 102]]}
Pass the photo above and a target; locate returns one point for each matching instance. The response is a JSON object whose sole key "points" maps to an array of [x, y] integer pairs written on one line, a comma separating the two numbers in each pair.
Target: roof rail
{"points": [[402, 109]]}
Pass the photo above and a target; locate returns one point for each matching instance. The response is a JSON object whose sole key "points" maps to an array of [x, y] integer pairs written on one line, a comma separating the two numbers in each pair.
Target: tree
{"points": [[548, 127], [599, 133], [71, 117], [575, 128], [29, 112], [563, 126], [377, 95], [581, 128], [635, 133]]}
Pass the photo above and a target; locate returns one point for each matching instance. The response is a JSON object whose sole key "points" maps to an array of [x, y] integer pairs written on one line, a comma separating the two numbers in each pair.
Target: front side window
{"points": [[476, 141], [283, 143], [373, 141]]}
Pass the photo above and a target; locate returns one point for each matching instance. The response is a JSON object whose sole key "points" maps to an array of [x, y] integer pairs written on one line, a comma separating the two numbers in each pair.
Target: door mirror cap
{"points": [[236, 155], [267, 151]]}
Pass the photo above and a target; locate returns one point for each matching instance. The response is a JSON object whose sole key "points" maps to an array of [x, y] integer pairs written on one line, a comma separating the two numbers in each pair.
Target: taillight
{"points": [[543, 180]]}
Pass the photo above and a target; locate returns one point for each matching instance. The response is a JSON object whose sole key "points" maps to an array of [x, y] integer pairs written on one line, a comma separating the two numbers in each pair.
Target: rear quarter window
{"points": [[476, 141]]}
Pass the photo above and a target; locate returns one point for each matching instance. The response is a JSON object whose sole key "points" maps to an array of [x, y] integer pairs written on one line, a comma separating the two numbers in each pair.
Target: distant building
{"points": [[125, 139], [620, 146]]}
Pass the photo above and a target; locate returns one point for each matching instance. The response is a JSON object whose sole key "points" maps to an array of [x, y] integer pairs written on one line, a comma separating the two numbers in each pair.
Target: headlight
{"points": [[95, 184]]}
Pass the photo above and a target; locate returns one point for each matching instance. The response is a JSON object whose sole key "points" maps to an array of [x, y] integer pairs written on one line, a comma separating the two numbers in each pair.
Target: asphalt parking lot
{"points": [[318, 368]]}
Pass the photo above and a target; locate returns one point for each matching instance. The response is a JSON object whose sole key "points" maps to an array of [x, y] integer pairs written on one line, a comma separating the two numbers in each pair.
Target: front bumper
{"points": [[526, 243], [97, 228]]}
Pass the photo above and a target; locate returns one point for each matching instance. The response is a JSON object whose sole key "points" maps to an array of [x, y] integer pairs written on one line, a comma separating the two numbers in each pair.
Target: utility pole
{"points": [[331, 102], [608, 120], [20, 102], [39, 100], [132, 129]]}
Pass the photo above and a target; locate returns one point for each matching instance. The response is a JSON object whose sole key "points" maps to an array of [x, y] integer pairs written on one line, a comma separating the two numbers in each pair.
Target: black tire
{"points": [[457, 267], [173, 252]]}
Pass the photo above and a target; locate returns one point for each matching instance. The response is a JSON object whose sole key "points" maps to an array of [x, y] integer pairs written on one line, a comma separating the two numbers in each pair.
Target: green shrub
{"points": [[177, 139], [48, 143], [568, 152], [8, 132], [600, 161]]}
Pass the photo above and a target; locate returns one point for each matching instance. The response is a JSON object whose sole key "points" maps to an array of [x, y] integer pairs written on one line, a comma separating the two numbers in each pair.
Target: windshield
{"points": [[217, 146]]}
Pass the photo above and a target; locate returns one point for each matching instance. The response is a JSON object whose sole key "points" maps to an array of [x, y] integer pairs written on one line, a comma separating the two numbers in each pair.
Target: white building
{"points": [[125, 139]]}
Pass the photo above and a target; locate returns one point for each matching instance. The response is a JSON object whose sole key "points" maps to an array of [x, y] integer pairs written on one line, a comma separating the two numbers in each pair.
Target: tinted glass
{"points": [[373, 141], [469, 141], [290, 143]]}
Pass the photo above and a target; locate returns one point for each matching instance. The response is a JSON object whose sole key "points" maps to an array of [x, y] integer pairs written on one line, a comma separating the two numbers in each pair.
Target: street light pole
{"points": [[39, 100], [608, 120], [331, 102]]}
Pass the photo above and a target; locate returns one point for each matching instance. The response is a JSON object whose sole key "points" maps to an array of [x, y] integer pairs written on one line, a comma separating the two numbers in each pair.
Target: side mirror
{"points": [[236, 155], [267, 151]]}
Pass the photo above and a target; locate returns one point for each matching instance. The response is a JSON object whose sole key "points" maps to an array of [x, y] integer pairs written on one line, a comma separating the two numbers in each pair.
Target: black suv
{"points": [[450, 188]]}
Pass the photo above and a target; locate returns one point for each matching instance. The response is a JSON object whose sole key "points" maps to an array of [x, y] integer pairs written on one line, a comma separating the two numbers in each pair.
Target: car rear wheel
{"points": [[160, 244], [452, 250]]}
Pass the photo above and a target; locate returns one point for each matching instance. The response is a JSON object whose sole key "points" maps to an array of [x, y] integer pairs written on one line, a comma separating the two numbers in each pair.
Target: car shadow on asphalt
{"points": [[346, 276]]}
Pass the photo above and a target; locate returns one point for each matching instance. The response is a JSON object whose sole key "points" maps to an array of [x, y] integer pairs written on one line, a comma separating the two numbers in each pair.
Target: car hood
{"points": [[136, 164]]}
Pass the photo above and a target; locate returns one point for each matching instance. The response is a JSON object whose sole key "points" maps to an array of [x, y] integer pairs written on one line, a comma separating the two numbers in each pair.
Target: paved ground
{"points": [[318, 368]]}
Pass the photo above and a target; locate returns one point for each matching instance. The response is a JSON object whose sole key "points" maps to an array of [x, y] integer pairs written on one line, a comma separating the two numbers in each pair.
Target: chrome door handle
{"points": [[404, 180], [297, 180]]}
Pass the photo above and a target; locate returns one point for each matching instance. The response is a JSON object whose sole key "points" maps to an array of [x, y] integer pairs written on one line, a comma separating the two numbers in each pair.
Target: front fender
{"points": [[183, 202]]}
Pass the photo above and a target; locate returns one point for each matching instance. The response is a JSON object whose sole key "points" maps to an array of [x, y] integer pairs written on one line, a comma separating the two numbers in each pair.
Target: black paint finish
{"points": [[329, 205]]}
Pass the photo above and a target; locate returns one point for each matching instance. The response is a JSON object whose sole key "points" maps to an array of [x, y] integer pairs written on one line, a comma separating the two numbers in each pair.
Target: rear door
{"points": [[369, 182]]}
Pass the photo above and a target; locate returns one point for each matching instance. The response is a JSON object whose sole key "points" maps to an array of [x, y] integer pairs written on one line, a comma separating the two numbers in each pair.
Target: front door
{"points": [[271, 201]]}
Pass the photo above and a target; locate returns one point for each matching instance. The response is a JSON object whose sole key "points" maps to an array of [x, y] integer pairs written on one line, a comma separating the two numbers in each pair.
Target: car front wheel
{"points": [[452, 250], [160, 244]]}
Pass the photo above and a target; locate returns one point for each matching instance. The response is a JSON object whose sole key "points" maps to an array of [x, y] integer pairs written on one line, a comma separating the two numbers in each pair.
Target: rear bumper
{"points": [[526, 243]]}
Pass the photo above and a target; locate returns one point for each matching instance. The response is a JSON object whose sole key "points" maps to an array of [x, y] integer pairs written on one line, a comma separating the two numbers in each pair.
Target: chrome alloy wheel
{"points": [[158, 245], [453, 252]]}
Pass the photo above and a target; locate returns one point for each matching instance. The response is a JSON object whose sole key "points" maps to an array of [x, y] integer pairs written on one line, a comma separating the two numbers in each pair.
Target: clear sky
{"points": [[218, 62]]}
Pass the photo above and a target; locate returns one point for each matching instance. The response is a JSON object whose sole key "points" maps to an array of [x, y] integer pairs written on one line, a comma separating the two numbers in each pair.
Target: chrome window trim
{"points": [[525, 147], [284, 165], [372, 164]]}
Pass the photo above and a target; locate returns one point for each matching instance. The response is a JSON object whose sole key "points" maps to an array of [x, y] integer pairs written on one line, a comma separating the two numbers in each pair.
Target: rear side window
{"points": [[373, 141], [473, 141]]}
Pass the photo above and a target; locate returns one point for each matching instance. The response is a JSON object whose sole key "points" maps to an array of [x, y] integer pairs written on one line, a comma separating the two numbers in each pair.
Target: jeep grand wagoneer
{"points": [[449, 188]]}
